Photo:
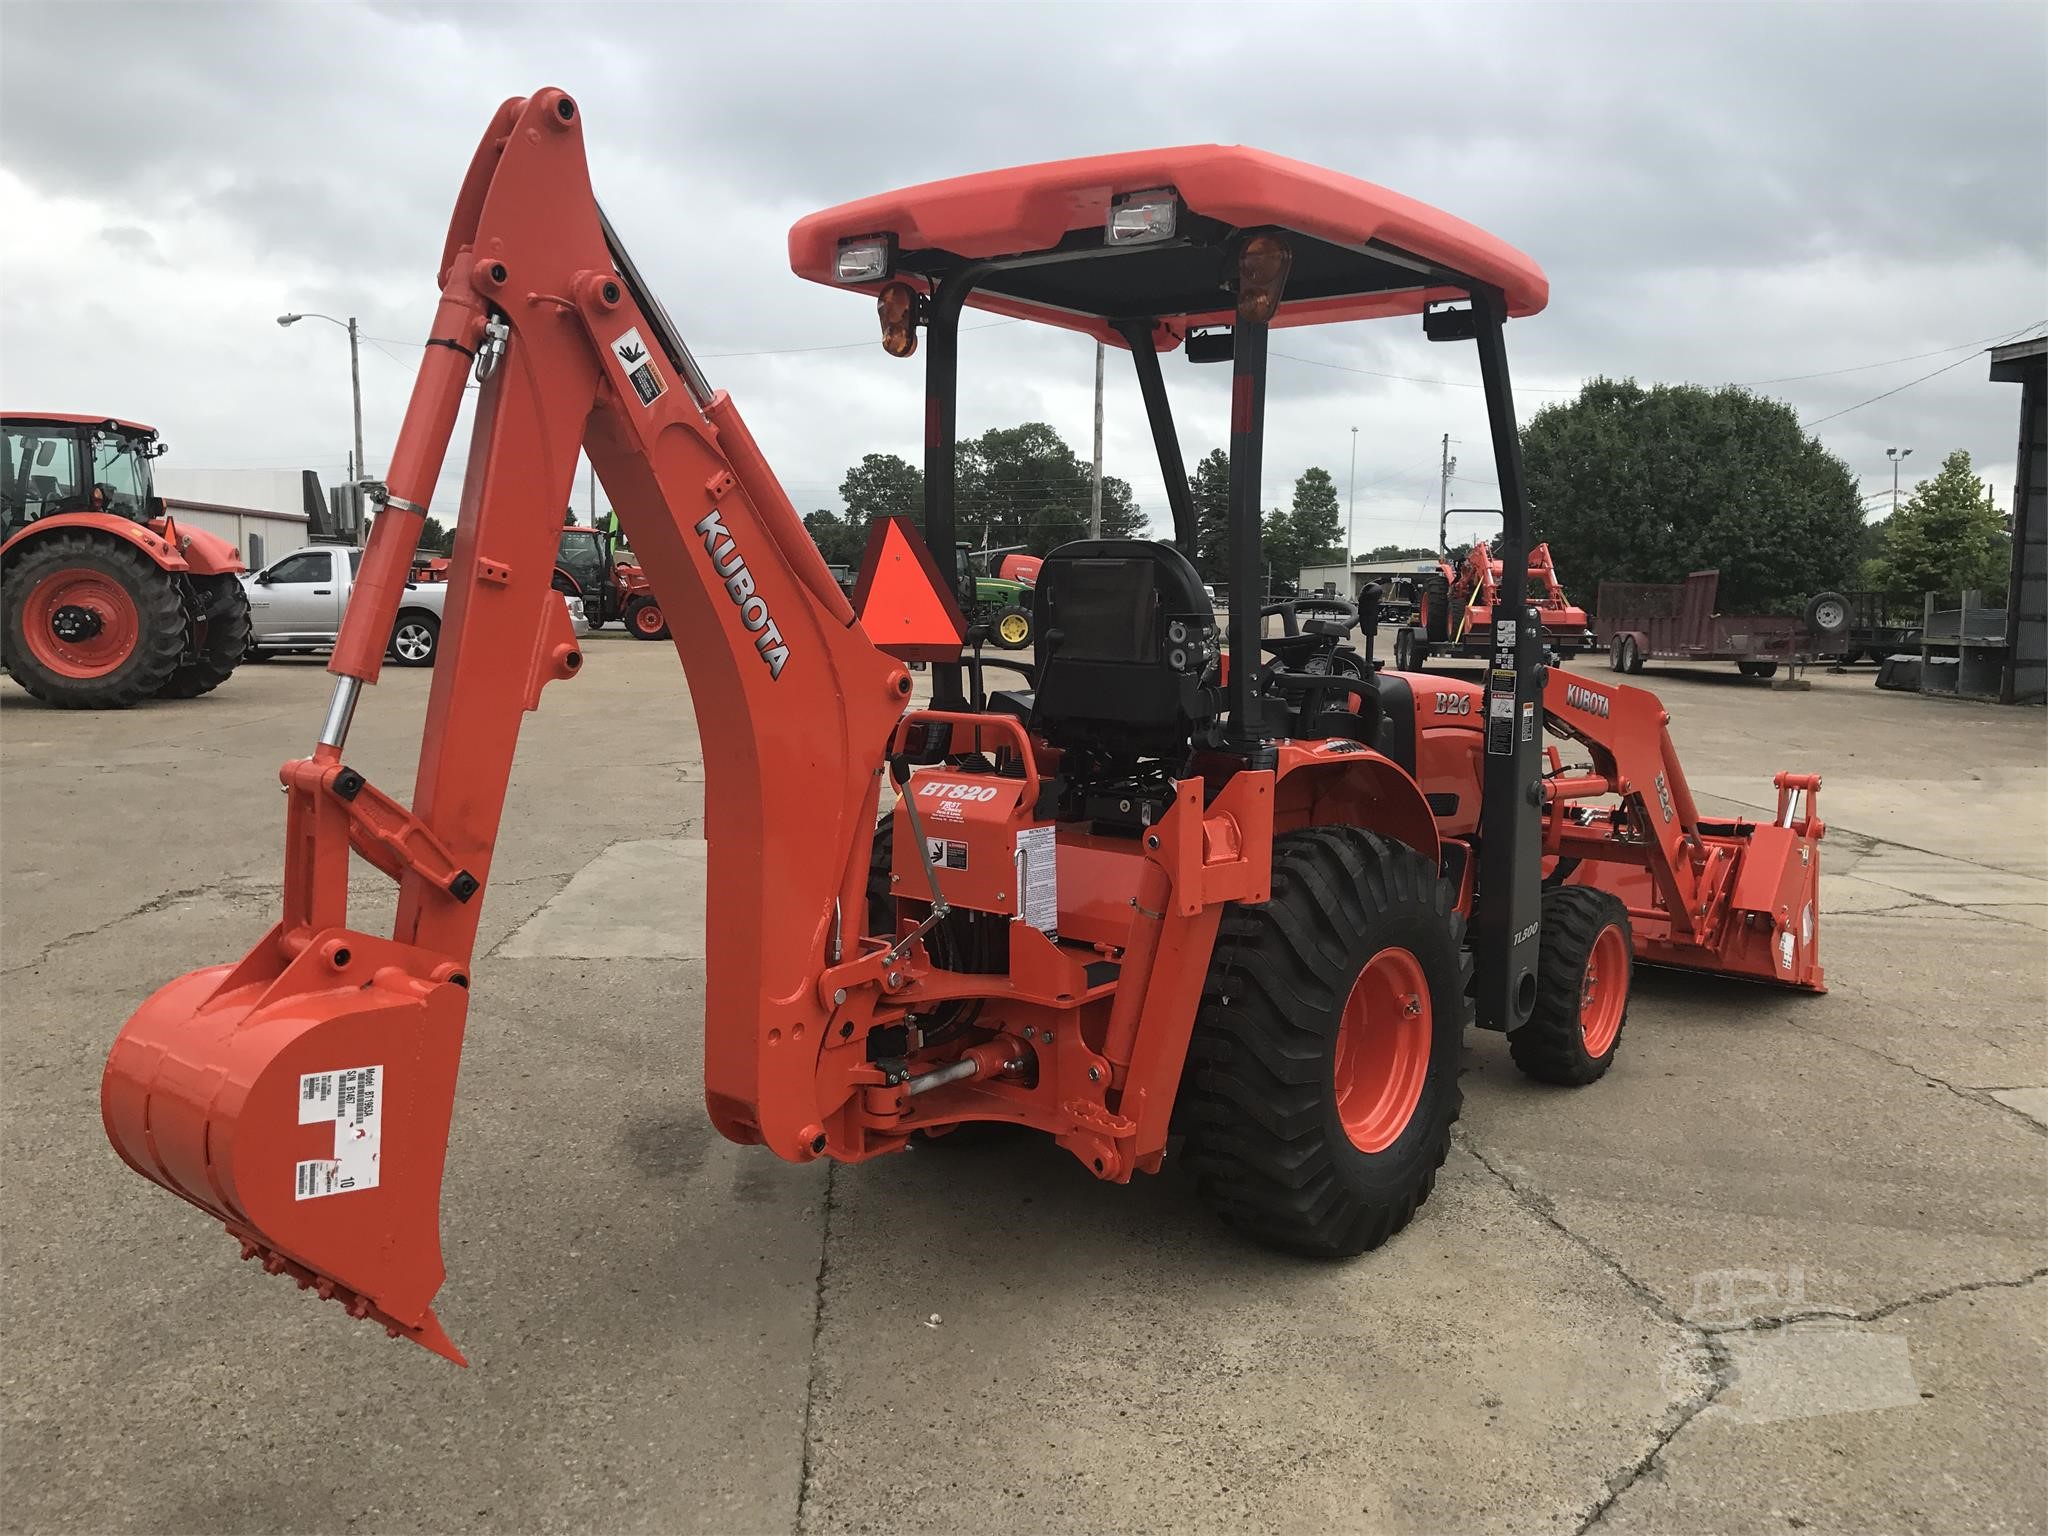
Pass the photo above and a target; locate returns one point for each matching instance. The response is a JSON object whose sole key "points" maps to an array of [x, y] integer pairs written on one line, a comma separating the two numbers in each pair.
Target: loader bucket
{"points": [[307, 1108]]}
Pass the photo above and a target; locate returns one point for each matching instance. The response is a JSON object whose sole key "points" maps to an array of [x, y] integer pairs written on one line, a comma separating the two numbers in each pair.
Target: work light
{"points": [[1138, 218], [865, 259]]}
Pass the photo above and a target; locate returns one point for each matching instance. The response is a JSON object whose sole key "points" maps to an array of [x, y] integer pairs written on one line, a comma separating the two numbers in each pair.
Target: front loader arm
{"points": [[303, 1095]]}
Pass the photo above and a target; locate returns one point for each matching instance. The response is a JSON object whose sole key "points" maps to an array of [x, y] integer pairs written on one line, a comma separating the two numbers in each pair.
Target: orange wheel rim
{"points": [[648, 619], [1603, 995], [80, 623], [1383, 1044]]}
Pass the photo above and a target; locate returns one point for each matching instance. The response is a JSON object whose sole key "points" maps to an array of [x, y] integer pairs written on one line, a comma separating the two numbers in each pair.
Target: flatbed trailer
{"points": [[1642, 621]]}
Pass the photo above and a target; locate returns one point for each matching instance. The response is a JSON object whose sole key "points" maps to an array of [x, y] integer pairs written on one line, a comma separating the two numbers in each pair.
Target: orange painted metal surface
{"points": [[1032, 207]]}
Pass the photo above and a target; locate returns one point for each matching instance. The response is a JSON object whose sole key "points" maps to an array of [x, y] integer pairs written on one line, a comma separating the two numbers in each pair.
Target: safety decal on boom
{"points": [[638, 362], [352, 1101]]}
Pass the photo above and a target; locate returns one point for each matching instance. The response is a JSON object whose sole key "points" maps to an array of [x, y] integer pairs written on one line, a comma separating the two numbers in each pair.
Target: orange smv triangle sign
{"points": [[901, 598]]}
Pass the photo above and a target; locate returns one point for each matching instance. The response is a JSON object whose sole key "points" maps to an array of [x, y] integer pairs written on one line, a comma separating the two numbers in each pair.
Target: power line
{"points": [[1793, 378], [1845, 410]]}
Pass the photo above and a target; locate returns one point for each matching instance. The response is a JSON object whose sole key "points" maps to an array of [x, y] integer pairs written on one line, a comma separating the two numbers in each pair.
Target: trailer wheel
{"points": [[220, 639], [1631, 655], [1616, 661], [1757, 668], [1322, 1077], [1827, 614], [1582, 986], [1410, 649], [91, 623]]}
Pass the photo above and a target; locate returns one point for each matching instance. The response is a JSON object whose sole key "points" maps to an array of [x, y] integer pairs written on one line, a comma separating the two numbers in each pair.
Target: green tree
{"points": [[1315, 524], [435, 539], [1949, 537], [1209, 486], [882, 485], [1635, 484], [1277, 542], [839, 539]]}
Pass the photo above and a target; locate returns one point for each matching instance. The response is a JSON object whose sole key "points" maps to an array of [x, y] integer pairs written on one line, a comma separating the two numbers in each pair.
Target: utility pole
{"points": [[1896, 455], [1095, 498], [1443, 497], [1351, 517], [357, 472]]}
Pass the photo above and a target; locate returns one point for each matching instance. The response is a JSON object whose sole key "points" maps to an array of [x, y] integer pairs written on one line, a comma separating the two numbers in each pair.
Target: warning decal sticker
{"points": [[1038, 879], [638, 362], [352, 1101]]}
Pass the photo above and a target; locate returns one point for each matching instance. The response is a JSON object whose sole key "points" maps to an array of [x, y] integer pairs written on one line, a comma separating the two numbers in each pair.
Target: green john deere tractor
{"points": [[1002, 602]]}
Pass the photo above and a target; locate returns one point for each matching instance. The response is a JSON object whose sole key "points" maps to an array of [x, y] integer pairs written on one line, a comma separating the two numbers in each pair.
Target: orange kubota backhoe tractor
{"points": [[104, 600], [1180, 881]]}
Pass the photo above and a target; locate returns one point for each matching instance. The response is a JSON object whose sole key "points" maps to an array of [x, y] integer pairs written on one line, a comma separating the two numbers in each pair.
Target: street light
{"points": [[355, 380], [1895, 455], [1351, 518]]}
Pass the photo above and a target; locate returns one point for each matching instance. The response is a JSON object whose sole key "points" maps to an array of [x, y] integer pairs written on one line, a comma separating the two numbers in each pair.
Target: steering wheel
{"points": [[1311, 644]]}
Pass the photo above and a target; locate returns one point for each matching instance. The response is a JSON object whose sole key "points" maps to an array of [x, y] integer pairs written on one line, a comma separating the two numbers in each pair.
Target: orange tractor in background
{"points": [[613, 590], [1456, 606], [1182, 880], [104, 600]]}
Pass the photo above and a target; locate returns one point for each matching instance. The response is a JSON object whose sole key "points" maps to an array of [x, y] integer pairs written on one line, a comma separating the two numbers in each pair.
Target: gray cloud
{"points": [[1718, 193]]}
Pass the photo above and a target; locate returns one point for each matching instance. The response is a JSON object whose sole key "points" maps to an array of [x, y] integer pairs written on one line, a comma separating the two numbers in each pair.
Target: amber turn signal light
{"points": [[897, 305]]}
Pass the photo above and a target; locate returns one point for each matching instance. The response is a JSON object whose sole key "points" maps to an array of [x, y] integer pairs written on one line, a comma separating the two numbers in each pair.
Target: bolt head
{"points": [[838, 995]]}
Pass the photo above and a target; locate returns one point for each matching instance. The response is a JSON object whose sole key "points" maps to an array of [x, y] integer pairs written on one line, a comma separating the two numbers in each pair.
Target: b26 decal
{"points": [[1454, 703]]}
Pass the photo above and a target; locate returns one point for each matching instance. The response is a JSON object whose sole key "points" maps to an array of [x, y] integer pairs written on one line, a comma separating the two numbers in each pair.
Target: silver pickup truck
{"points": [[295, 604]]}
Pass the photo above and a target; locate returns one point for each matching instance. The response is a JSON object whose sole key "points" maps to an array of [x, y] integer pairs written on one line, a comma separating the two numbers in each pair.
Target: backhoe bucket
{"points": [[308, 1109]]}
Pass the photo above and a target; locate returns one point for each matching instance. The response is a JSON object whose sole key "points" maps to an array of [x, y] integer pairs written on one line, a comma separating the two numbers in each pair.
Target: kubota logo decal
{"points": [[1581, 697], [731, 566]]}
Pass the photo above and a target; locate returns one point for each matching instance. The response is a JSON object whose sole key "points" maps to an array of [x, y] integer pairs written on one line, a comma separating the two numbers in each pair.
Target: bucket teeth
{"points": [[428, 1333]]}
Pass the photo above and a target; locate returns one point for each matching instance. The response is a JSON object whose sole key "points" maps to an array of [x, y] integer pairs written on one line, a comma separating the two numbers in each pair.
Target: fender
{"points": [[142, 536], [1346, 783], [208, 554]]}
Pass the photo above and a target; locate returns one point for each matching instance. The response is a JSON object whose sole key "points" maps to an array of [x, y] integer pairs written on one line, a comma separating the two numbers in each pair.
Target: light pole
{"points": [[355, 382], [1351, 518], [1895, 455]]}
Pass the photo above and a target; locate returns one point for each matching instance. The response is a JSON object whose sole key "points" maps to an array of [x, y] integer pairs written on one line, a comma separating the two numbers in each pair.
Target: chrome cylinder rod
{"points": [[341, 709]]}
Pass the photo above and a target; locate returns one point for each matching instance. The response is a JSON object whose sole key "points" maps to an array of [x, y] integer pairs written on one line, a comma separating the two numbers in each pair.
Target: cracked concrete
{"points": [[1779, 1271]]}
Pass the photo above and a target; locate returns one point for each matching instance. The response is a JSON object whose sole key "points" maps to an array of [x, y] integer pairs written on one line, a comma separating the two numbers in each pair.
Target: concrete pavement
{"points": [[1781, 1270]]}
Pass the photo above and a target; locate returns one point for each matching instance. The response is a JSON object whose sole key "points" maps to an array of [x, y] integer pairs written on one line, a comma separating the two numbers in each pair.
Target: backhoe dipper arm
{"points": [[303, 1096]]}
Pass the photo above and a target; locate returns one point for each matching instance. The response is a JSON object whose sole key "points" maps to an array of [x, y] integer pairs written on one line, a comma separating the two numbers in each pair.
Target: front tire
{"points": [[415, 639], [645, 621], [1011, 630], [1583, 972], [220, 638], [1321, 1080], [91, 623]]}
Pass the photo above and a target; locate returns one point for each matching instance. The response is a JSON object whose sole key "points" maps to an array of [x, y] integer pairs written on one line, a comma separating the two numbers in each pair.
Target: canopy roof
{"points": [[73, 418], [1360, 251]]}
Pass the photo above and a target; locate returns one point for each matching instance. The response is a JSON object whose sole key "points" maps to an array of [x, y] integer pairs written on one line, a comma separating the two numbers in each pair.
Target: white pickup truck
{"points": [[295, 604]]}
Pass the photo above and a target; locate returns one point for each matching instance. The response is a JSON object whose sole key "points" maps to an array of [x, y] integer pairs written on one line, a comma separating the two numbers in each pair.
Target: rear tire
{"points": [[1434, 600], [1582, 984], [220, 638], [1615, 662], [1322, 1077], [415, 639], [136, 619], [1631, 656]]}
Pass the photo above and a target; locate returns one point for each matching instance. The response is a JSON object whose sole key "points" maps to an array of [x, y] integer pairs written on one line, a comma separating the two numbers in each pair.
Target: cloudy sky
{"points": [[1837, 199]]}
